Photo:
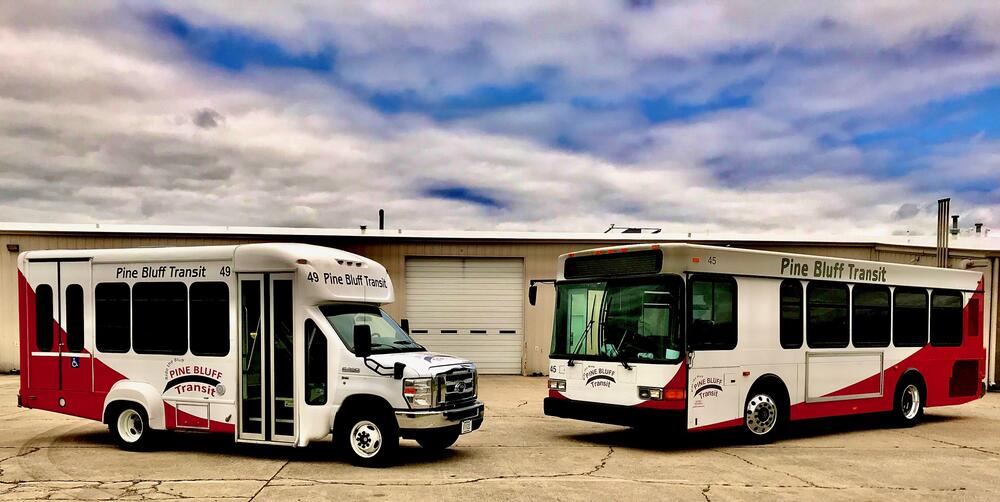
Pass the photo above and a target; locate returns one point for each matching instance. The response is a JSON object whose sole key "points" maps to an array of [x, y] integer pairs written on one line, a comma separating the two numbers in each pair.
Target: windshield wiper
{"points": [[621, 354], [590, 324]]}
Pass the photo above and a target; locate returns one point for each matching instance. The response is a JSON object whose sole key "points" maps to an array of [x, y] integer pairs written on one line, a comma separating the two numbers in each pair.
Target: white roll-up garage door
{"points": [[468, 307]]}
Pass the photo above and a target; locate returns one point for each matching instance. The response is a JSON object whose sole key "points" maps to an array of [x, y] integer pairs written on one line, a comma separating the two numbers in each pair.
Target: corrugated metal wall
{"points": [[539, 263]]}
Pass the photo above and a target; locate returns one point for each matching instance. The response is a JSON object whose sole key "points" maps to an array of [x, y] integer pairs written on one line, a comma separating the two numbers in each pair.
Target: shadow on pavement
{"points": [[677, 439]]}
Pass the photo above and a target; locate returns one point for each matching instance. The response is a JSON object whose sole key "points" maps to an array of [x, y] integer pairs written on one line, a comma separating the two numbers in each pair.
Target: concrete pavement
{"points": [[519, 455]]}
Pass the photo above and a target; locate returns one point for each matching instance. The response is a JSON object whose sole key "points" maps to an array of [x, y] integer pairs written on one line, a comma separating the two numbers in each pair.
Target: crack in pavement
{"points": [[806, 481], [269, 480], [957, 445], [704, 493]]}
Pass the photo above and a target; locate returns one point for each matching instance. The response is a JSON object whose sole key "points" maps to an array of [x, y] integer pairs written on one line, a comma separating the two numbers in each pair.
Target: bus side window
{"points": [[112, 317], [315, 364], [946, 318], [209, 319], [870, 325], [791, 314], [910, 317], [712, 316], [43, 318], [827, 315], [74, 318], [160, 318]]}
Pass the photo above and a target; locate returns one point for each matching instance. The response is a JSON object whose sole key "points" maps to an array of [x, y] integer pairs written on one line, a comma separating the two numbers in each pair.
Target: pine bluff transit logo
{"points": [[193, 378], [599, 377]]}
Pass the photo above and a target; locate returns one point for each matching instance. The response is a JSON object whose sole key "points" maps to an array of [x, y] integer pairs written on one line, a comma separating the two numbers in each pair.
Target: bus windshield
{"points": [[387, 336], [632, 320]]}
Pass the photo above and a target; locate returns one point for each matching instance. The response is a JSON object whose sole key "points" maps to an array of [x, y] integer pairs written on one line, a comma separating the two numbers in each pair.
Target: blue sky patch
{"points": [[464, 194]]}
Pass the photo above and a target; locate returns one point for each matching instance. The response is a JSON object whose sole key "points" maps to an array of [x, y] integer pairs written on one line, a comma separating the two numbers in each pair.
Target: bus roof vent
{"points": [[614, 265]]}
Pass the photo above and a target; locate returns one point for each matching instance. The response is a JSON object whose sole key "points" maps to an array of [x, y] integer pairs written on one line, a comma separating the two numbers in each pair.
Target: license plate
{"points": [[466, 426]]}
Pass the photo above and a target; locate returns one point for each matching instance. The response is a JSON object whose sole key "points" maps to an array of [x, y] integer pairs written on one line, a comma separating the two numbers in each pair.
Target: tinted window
{"points": [[160, 324], [209, 319], [315, 364], [791, 314], [870, 324], [946, 318], [112, 317], [713, 313], [827, 315], [74, 318], [44, 324], [910, 317]]}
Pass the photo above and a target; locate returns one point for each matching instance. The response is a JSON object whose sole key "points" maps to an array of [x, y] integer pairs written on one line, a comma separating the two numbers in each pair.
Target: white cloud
{"points": [[98, 119]]}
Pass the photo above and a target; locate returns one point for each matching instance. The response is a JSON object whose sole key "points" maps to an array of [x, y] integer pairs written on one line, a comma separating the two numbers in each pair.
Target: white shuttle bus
{"points": [[721, 337], [269, 343]]}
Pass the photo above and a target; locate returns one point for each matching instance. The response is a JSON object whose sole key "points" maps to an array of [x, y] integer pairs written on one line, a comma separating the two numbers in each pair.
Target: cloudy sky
{"points": [[843, 117]]}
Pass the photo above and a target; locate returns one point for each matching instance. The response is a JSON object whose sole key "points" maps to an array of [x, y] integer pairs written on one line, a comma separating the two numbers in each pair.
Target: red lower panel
{"points": [[79, 404], [179, 419], [44, 373], [76, 372]]}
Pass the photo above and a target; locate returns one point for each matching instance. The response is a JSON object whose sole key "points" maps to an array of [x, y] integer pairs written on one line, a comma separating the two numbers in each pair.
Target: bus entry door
{"points": [[713, 393]]}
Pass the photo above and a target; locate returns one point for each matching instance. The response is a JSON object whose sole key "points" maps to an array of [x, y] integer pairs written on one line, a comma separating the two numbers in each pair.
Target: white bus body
{"points": [[255, 340], [722, 337]]}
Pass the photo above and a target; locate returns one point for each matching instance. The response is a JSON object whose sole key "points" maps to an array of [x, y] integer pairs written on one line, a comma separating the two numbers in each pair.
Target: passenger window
{"points": [[870, 323], [826, 315], [160, 324], [74, 318], [712, 318], [315, 364], [112, 317], [910, 317], [946, 318], [44, 324], [209, 324], [791, 314]]}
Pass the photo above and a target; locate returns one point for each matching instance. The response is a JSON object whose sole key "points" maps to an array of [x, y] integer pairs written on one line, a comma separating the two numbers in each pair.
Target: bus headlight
{"points": [[556, 384], [651, 393], [419, 392]]}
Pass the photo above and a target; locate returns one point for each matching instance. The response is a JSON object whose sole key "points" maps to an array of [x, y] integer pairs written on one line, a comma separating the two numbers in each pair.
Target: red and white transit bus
{"points": [[723, 337], [269, 343]]}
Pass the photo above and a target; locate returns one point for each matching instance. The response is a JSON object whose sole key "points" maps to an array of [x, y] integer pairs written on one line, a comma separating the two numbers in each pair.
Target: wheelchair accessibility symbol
{"points": [[74, 362]]}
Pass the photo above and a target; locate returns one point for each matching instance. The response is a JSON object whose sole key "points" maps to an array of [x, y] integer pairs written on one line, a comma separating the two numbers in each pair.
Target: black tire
{"points": [[438, 440], [763, 415], [129, 426], [368, 439], [908, 402]]}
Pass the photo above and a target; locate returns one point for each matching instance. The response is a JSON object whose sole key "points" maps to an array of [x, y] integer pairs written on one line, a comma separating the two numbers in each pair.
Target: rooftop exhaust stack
{"points": [[979, 229], [954, 224], [944, 207], [381, 219]]}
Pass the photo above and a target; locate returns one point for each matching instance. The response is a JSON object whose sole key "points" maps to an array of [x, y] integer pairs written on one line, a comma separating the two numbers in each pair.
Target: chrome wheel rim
{"points": [[910, 402], [761, 414], [366, 439], [130, 425]]}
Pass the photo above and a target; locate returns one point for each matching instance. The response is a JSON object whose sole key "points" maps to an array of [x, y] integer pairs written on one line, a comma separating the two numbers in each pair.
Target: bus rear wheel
{"points": [[129, 426], [762, 416], [908, 407]]}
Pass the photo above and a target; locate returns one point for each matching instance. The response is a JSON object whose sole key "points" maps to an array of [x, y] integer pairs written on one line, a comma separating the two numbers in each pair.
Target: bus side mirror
{"points": [[405, 324], [362, 340], [532, 294]]}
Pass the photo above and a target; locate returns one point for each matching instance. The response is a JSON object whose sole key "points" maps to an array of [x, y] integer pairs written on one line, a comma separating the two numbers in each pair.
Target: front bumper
{"points": [[439, 419], [631, 416]]}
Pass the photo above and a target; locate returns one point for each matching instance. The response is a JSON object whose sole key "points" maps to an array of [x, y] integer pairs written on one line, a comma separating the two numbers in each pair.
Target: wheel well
{"points": [[114, 406], [914, 376], [774, 384], [362, 402]]}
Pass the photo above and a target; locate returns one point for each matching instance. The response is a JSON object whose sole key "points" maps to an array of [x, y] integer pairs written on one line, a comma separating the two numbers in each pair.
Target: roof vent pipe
{"points": [[979, 229], [381, 219], [942, 232], [954, 224]]}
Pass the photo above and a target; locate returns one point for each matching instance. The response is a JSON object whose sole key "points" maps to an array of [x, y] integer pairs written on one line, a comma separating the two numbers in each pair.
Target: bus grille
{"points": [[459, 386]]}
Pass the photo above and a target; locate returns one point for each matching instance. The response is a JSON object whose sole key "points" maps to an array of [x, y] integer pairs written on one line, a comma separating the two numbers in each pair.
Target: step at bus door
{"points": [[267, 391]]}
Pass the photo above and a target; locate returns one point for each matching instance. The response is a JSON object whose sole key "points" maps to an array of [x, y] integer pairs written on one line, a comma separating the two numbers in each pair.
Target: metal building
{"points": [[466, 292]]}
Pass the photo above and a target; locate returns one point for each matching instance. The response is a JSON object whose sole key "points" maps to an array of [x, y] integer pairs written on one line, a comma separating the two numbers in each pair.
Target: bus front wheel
{"points": [[762, 416], [369, 439]]}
